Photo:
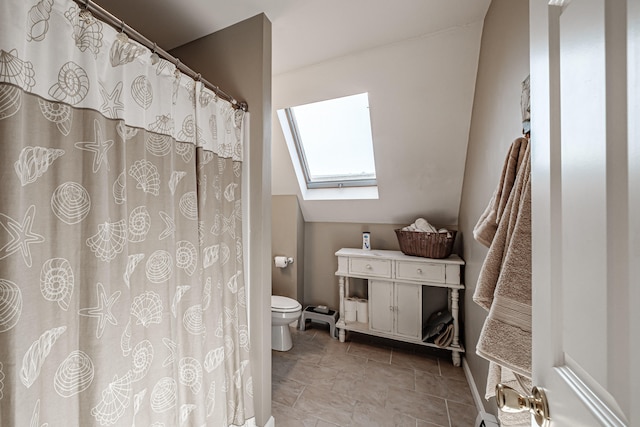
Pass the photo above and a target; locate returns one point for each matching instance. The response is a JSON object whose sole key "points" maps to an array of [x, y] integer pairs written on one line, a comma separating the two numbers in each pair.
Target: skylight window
{"points": [[333, 142]]}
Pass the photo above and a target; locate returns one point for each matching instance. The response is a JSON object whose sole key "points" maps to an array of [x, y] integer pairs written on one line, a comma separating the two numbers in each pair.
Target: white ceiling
{"points": [[304, 32]]}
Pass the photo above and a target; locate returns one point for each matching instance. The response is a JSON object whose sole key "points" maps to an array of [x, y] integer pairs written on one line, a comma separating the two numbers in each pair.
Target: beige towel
{"points": [[487, 225], [504, 283], [522, 385], [446, 337]]}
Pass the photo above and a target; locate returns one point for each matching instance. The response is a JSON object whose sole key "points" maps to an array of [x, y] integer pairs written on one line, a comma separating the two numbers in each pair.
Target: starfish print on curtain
{"points": [[21, 235], [111, 105], [99, 147], [103, 310]]}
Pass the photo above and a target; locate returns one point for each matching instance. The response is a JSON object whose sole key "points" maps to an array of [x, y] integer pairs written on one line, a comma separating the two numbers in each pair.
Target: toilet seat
{"points": [[282, 304]]}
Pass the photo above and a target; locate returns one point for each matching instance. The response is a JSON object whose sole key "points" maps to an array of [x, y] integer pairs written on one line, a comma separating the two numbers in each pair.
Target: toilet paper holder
{"points": [[282, 261]]}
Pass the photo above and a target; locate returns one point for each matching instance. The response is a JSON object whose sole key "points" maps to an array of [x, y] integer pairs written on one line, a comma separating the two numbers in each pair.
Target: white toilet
{"points": [[284, 311]]}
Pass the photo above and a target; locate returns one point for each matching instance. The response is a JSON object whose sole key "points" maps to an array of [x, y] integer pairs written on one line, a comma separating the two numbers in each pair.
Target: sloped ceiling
{"points": [[420, 98], [304, 32], [416, 58]]}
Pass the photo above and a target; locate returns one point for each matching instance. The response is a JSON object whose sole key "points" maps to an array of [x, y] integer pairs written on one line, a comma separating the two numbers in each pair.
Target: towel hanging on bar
{"points": [[504, 284], [487, 225]]}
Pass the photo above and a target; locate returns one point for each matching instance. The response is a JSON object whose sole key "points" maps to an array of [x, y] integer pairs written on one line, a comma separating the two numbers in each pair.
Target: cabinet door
{"points": [[408, 307], [381, 306]]}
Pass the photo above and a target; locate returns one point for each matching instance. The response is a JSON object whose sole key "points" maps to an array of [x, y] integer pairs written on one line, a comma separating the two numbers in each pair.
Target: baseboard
{"points": [[489, 420], [271, 422], [472, 385]]}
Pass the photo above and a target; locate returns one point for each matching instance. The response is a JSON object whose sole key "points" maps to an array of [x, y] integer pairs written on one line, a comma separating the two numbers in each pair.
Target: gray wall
{"points": [[238, 59], [495, 123], [322, 241], [287, 239]]}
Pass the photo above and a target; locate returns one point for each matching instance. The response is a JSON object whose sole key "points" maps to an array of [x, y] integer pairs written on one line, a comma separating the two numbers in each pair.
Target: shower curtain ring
{"points": [[154, 55], [84, 13], [176, 72], [122, 26], [198, 77]]}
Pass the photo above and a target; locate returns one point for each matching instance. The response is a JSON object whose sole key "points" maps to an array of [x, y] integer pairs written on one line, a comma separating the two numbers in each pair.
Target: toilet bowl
{"points": [[283, 312]]}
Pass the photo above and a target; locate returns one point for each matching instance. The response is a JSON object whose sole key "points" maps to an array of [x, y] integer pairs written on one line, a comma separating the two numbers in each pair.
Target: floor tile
{"points": [[344, 362], [418, 405], [462, 415], [285, 391], [448, 370], [426, 424], [379, 354], [361, 388], [326, 406], [370, 415], [313, 374], [366, 381], [444, 387], [412, 360], [310, 351], [400, 377], [281, 366], [286, 416]]}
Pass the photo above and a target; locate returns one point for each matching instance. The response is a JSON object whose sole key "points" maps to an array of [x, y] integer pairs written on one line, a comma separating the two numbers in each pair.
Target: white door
{"points": [[586, 209], [408, 309], [381, 305]]}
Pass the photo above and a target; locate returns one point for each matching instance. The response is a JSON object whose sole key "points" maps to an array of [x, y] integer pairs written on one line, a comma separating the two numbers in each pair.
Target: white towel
{"points": [[421, 225]]}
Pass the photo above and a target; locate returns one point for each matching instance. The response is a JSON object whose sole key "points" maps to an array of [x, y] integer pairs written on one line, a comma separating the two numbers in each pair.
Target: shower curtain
{"points": [[122, 294]]}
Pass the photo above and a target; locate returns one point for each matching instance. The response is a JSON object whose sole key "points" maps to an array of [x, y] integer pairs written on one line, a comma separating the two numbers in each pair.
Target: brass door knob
{"points": [[510, 400]]}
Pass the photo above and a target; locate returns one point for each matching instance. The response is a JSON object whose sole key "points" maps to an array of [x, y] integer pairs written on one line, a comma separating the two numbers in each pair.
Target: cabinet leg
{"points": [[454, 313], [341, 332], [456, 358]]}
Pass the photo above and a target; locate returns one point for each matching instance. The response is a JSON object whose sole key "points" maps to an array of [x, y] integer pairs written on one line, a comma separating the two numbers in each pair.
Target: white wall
{"points": [[421, 94]]}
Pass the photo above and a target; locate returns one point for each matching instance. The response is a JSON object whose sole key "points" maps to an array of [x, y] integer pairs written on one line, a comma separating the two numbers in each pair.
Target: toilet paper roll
{"points": [[281, 261], [350, 309], [362, 311]]}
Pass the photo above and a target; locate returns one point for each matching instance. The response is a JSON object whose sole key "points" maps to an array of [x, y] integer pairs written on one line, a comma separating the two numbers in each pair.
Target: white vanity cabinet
{"points": [[395, 308], [398, 288]]}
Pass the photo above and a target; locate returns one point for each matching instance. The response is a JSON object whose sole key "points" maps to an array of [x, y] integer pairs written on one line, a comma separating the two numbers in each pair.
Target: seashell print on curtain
{"points": [[122, 292]]}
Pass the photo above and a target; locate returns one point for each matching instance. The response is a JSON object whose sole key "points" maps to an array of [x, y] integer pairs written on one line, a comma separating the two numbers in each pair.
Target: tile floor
{"points": [[367, 381]]}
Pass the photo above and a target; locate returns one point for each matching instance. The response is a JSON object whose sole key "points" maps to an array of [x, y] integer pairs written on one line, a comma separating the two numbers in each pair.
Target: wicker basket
{"points": [[427, 245]]}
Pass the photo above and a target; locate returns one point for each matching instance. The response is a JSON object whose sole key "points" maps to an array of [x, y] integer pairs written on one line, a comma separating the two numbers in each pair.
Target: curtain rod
{"points": [[110, 19]]}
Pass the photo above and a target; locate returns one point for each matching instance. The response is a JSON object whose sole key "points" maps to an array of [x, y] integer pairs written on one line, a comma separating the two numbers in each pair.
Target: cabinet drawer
{"points": [[423, 272], [370, 267]]}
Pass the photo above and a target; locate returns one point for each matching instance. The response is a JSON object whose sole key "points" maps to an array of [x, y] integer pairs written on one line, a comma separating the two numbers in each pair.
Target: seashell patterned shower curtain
{"points": [[122, 294]]}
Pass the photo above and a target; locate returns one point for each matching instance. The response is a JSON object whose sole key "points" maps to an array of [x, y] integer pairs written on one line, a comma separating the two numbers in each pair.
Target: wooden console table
{"points": [[397, 284]]}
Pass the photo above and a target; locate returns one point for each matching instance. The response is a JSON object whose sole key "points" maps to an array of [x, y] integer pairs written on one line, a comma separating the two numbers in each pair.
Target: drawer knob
{"points": [[368, 266], [419, 271]]}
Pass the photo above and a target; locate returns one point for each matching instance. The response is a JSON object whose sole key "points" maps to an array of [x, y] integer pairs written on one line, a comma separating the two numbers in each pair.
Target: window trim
{"points": [[328, 183], [293, 127]]}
